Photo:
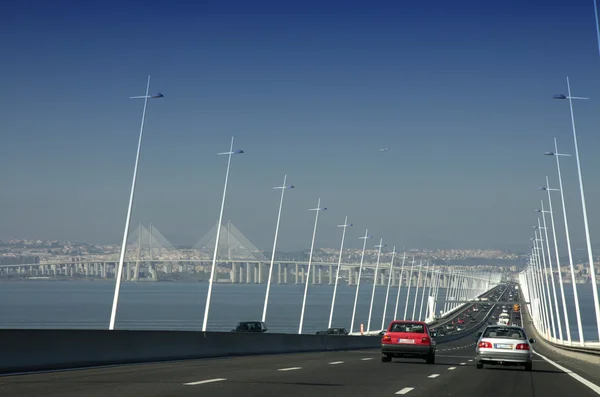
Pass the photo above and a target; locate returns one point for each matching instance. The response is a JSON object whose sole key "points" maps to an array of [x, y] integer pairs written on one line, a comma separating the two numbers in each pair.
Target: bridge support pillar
{"points": [[320, 275], [285, 274], [331, 275], [234, 273], [279, 273], [297, 274]]}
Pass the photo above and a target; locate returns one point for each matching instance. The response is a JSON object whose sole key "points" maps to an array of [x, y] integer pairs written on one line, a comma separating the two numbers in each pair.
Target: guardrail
{"points": [[25, 350]]}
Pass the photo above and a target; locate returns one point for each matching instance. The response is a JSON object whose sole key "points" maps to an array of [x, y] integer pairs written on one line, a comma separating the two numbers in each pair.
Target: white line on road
{"points": [[470, 360], [405, 390], [463, 363], [289, 369], [366, 358], [433, 376], [572, 374], [201, 382], [336, 362], [451, 368]]}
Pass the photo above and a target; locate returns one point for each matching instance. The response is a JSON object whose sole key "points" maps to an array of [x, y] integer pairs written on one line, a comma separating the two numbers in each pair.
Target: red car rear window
{"points": [[413, 328]]}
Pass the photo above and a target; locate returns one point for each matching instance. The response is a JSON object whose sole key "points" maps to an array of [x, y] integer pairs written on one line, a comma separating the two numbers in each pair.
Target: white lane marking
{"points": [[201, 382], [366, 358], [289, 369], [433, 376], [572, 374], [463, 363], [451, 368], [470, 360], [336, 362], [405, 390]]}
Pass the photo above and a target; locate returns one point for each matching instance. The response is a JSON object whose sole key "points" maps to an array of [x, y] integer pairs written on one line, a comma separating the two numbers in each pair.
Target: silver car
{"points": [[504, 345]]}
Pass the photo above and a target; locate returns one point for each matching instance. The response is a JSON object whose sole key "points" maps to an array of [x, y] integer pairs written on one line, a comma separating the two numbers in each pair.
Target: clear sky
{"points": [[459, 91]]}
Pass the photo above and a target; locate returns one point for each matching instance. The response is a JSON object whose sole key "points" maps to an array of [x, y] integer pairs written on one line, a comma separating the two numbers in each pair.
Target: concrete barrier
{"points": [[36, 350]]}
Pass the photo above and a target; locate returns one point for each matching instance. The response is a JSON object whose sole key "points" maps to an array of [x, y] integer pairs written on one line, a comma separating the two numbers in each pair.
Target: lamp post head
{"points": [[284, 187], [346, 225], [230, 153], [318, 209], [157, 95], [550, 154], [365, 237], [559, 96], [538, 210]]}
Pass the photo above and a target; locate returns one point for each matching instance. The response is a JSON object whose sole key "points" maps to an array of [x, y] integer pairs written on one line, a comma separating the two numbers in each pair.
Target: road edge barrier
{"points": [[27, 350]]}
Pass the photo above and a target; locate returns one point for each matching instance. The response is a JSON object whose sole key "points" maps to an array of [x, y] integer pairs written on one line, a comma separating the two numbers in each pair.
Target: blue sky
{"points": [[459, 91]]}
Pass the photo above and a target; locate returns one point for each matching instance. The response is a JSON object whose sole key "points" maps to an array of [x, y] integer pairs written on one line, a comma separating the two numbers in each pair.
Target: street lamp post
{"points": [[362, 258], [230, 153], [387, 293], [283, 188], [556, 254], [380, 246], [423, 292], [337, 273], [412, 266], [554, 296], [417, 291], [113, 313], [557, 155], [584, 208], [399, 286], [317, 210]]}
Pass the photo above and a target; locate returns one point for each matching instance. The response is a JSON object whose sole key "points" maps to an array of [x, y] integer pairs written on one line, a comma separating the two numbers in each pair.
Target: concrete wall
{"points": [[35, 350]]}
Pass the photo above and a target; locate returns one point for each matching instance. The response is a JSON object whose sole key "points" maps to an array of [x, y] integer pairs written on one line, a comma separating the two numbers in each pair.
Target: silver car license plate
{"points": [[406, 341], [503, 346]]}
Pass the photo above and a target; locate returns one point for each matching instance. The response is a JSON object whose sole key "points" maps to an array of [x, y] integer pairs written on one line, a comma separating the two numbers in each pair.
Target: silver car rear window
{"points": [[504, 333]]}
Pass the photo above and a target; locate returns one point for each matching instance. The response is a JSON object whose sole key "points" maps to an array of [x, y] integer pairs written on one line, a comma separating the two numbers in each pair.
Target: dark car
{"points": [[250, 326], [333, 331]]}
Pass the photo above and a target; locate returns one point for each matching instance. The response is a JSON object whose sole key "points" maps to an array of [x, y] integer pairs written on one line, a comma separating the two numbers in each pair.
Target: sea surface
{"points": [[180, 305]]}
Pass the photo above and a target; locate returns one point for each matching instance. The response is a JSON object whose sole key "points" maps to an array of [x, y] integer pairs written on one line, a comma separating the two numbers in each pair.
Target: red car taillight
{"points": [[522, 346], [426, 340], [386, 338], [485, 345]]}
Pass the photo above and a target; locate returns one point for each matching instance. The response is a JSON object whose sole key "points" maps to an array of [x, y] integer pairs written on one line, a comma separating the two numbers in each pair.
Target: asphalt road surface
{"points": [[347, 374]]}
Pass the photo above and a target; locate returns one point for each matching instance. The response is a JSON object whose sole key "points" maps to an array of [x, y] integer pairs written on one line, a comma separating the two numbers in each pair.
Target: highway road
{"points": [[347, 374]]}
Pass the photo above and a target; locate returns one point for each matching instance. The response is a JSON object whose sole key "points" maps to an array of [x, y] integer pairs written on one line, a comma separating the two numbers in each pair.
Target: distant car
{"points": [[504, 345], [460, 328], [408, 339], [333, 331], [250, 326]]}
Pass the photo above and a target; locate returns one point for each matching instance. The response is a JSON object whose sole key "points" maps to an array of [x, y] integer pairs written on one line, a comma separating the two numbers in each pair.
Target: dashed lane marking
{"points": [[451, 368], [463, 363], [201, 382], [405, 390], [289, 369], [366, 358], [572, 374], [433, 376], [336, 362], [470, 360]]}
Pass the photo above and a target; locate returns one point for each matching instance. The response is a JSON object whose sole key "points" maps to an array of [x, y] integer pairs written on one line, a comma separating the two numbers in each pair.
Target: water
{"points": [[586, 307], [180, 306]]}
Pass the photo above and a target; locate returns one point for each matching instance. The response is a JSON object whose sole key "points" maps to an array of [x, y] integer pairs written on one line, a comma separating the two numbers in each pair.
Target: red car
{"points": [[408, 339], [461, 321]]}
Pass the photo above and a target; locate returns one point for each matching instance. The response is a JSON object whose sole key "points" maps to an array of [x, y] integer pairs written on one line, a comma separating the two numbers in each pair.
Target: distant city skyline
{"points": [[461, 101]]}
